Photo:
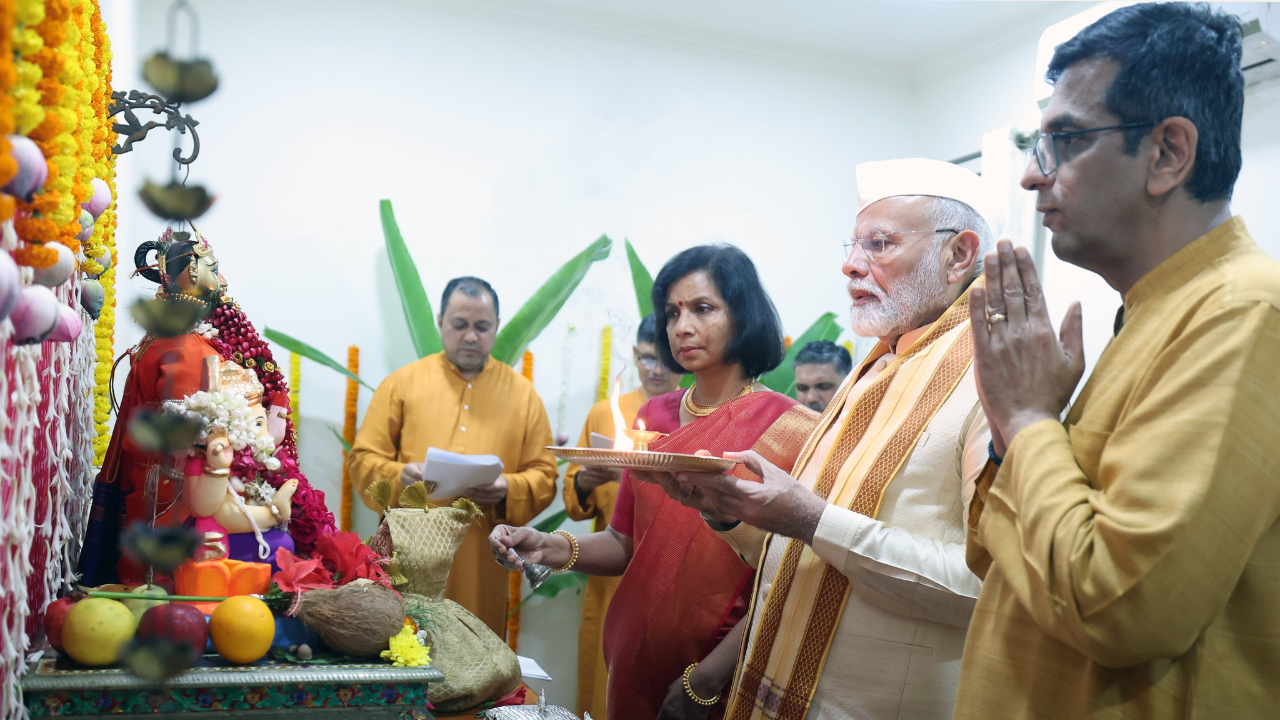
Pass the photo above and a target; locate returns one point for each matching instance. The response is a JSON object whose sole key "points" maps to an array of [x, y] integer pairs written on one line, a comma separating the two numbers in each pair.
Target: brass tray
{"points": [[644, 460]]}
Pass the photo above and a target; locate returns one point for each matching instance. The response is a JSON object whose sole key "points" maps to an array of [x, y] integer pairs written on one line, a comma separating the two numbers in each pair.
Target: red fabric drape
{"points": [[679, 594]]}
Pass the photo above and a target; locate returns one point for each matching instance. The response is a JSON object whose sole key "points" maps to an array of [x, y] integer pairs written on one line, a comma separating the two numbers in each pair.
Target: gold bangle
{"points": [[689, 690], [573, 559]]}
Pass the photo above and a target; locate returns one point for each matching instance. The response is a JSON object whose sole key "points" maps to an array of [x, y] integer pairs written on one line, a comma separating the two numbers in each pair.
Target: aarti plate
{"points": [[644, 460]]}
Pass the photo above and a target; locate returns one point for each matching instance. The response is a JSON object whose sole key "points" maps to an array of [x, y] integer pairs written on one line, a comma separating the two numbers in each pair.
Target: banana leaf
{"points": [[413, 298], [557, 584], [642, 280], [538, 311], [552, 523], [295, 345], [345, 445], [783, 378]]}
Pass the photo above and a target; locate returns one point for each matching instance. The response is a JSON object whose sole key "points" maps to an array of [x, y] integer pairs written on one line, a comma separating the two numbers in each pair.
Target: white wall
{"points": [[506, 149]]}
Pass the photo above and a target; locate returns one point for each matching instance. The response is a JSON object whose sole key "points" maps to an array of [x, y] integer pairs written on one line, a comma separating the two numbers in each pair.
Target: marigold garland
{"points": [[295, 387], [606, 355], [349, 434], [514, 577], [104, 231]]}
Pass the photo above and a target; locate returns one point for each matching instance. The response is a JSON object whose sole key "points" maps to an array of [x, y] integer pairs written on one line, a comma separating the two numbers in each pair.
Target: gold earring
{"points": [[193, 272]]}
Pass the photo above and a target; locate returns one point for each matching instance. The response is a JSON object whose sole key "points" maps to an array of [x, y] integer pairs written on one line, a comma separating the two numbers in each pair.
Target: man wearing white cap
{"points": [[863, 595]]}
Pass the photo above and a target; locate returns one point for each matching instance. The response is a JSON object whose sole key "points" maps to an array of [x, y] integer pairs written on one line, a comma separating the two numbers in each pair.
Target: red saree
{"points": [[685, 588]]}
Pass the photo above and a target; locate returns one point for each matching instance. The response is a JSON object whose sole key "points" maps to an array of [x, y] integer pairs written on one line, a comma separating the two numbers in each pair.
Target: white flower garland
{"points": [[229, 413], [205, 330]]}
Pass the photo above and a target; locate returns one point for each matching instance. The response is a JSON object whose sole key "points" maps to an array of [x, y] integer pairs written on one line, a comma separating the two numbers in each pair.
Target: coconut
{"points": [[10, 284], [68, 327], [357, 619], [100, 200], [35, 315], [60, 271], [92, 297], [33, 169], [86, 226]]}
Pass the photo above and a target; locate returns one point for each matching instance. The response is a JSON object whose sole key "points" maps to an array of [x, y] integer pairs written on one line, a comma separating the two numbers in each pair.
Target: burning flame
{"points": [[621, 441]]}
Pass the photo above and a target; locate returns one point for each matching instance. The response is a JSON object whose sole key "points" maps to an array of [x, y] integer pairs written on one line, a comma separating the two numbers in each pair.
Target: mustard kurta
{"points": [[429, 404], [592, 675], [1134, 549]]}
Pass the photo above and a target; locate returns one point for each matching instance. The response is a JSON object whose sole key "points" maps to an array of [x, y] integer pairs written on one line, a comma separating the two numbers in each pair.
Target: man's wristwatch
{"points": [[719, 526]]}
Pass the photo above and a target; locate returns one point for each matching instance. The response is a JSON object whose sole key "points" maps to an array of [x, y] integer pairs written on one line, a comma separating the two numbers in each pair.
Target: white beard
{"points": [[896, 309]]}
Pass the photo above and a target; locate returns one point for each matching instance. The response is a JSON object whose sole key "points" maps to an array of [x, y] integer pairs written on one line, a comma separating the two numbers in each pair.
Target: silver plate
{"points": [[644, 460]]}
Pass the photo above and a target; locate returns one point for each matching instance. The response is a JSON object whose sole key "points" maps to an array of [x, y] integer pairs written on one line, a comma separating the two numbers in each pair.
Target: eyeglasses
{"points": [[648, 364], [1053, 149], [875, 245]]}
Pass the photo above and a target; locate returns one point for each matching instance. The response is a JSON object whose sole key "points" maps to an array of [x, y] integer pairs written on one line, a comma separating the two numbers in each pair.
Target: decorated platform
{"points": [[58, 688]]}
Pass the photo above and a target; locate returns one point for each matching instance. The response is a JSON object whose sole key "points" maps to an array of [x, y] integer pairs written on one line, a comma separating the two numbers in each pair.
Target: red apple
{"points": [[176, 623], [54, 616]]}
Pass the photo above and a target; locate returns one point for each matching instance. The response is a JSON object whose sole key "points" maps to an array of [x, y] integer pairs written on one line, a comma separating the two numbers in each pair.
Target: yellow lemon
{"points": [[95, 629], [242, 629]]}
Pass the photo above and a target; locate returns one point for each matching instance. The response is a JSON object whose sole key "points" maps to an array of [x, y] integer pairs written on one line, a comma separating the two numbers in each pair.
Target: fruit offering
{"points": [[177, 624], [139, 606], [54, 617], [242, 629], [95, 629]]}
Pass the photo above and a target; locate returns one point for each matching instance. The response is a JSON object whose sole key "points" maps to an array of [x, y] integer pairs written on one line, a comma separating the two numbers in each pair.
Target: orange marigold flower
{"points": [[36, 256]]}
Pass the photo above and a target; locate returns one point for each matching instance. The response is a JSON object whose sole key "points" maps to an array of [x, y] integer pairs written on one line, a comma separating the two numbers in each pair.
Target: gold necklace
{"points": [[697, 410]]}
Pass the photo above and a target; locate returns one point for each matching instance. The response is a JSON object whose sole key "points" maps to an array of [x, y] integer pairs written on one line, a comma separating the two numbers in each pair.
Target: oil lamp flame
{"points": [[621, 441]]}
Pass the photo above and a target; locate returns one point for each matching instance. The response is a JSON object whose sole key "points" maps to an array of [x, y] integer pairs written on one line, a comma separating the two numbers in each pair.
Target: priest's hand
{"points": [[512, 546], [491, 494], [591, 477], [1025, 372], [411, 473], [779, 504]]}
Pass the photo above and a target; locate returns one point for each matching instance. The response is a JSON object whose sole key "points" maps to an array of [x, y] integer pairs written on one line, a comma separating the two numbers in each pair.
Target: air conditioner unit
{"points": [[1259, 23]]}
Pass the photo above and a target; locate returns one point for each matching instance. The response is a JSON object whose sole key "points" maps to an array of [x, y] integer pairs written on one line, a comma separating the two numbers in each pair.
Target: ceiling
{"points": [[909, 38]]}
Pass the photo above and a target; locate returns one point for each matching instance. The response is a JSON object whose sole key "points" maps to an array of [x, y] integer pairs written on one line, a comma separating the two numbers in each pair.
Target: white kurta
{"points": [[896, 651]]}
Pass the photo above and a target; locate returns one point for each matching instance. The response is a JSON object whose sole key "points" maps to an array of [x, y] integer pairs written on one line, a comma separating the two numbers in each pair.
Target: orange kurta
{"points": [[429, 404], [592, 674]]}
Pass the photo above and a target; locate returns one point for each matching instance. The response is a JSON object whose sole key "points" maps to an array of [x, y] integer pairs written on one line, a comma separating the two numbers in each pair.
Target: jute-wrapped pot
{"points": [[476, 663]]}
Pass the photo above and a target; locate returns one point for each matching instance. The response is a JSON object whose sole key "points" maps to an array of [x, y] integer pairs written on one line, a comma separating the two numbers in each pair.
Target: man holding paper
{"points": [[461, 402]]}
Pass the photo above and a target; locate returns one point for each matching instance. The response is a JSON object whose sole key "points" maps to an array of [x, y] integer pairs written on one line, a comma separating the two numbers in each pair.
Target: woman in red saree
{"points": [[683, 590]]}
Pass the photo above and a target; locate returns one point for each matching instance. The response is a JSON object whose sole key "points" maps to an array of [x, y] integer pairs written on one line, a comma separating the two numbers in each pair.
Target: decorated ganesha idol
{"points": [[238, 518], [136, 484]]}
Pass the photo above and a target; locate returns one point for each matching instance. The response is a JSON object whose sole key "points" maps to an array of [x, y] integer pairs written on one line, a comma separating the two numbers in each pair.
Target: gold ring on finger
{"points": [[996, 317]]}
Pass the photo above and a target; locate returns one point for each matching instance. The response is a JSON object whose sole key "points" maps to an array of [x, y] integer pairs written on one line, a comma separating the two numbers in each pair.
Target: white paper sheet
{"points": [[452, 474], [599, 441], [531, 669]]}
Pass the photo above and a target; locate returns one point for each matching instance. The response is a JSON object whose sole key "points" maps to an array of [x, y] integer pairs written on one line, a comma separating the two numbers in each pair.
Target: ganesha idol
{"points": [[241, 519], [138, 485]]}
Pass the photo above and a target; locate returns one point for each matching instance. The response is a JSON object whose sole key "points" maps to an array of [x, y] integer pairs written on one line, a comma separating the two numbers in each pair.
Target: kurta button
{"points": [[468, 386], [466, 407], [764, 589], [464, 428]]}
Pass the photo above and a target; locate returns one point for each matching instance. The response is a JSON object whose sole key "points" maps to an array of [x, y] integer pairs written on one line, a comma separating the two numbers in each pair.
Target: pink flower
{"points": [[297, 576]]}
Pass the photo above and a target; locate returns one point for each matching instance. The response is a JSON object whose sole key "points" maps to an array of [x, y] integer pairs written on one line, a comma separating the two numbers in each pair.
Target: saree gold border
{"points": [[826, 612], [850, 433]]}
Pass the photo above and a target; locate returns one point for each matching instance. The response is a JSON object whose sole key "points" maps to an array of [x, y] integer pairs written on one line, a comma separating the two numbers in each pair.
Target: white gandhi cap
{"points": [[920, 176]]}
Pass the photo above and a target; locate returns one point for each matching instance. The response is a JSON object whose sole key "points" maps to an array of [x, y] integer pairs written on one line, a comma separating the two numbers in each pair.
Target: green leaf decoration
{"points": [[413, 298], [295, 345], [536, 314], [345, 445], [552, 523], [642, 280], [783, 378], [557, 584]]}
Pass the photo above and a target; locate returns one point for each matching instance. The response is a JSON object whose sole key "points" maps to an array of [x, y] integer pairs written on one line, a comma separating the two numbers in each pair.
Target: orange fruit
{"points": [[242, 629]]}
